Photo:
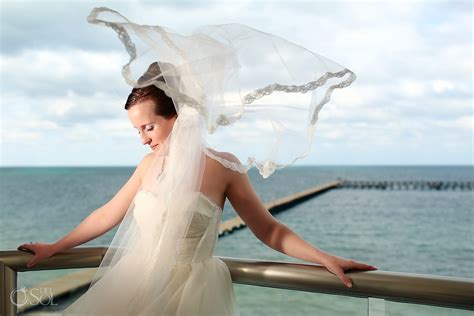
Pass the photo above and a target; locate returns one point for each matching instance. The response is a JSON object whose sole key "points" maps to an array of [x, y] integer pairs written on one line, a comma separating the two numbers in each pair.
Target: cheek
{"points": [[158, 134], [161, 133]]}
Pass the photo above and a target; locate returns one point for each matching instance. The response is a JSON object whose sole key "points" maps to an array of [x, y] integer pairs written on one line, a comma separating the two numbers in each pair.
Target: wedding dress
{"points": [[200, 283]]}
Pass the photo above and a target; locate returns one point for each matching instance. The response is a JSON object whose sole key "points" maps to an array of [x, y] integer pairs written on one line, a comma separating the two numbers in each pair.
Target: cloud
{"points": [[44, 72], [61, 76]]}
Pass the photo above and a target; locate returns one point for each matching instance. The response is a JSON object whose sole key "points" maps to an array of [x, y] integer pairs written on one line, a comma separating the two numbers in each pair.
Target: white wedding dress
{"points": [[199, 285]]}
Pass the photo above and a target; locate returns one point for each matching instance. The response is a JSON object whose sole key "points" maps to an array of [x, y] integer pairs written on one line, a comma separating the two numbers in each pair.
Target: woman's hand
{"points": [[337, 265], [41, 251]]}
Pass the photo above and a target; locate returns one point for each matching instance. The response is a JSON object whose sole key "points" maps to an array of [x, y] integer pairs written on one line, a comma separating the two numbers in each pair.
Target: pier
{"points": [[406, 185], [278, 205]]}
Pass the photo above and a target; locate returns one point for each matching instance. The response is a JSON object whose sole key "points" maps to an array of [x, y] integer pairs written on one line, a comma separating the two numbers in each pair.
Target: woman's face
{"points": [[153, 129]]}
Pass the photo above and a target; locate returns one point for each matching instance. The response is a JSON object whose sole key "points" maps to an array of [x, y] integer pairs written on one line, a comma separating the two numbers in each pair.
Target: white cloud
{"points": [[41, 125], [119, 128], [19, 137], [413, 61], [52, 72], [441, 86], [465, 122], [412, 88]]}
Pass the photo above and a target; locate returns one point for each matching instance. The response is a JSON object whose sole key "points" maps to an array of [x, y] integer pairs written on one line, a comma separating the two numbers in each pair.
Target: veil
{"points": [[236, 89]]}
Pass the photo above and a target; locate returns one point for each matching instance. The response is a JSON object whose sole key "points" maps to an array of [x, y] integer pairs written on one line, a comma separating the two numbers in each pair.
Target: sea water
{"points": [[413, 231]]}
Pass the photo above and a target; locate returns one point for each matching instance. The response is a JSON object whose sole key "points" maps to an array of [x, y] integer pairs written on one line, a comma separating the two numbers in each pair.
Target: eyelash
{"points": [[148, 130]]}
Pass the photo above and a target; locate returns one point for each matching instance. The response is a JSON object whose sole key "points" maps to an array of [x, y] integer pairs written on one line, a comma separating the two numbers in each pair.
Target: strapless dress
{"points": [[200, 284]]}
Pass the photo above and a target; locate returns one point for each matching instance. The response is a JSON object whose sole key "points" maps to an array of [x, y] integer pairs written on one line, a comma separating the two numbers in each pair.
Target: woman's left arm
{"points": [[278, 236], [283, 239]]}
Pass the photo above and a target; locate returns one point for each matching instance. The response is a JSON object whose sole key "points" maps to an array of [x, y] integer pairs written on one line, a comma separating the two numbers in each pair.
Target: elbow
{"points": [[106, 220], [269, 234]]}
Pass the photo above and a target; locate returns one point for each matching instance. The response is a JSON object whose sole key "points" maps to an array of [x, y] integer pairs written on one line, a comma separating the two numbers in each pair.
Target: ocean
{"points": [[413, 231]]}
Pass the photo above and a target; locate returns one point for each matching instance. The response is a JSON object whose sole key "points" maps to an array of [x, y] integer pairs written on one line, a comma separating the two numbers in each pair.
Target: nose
{"points": [[145, 139]]}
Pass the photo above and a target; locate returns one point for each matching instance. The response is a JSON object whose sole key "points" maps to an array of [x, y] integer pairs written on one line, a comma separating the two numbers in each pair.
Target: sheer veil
{"points": [[235, 89]]}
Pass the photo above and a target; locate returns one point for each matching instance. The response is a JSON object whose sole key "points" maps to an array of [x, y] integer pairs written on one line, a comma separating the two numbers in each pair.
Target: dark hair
{"points": [[164, 105]]}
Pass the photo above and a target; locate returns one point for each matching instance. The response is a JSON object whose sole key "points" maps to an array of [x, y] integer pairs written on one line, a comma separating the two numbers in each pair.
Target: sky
{"points": [[62, 93]]}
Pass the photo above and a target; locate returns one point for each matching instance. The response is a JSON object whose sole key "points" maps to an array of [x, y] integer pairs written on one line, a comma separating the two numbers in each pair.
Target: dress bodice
{"points": [[129, 287], [203, 230]]}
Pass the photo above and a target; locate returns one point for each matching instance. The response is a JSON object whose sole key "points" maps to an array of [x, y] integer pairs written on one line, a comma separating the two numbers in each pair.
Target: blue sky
{"points": [[62, 93]]}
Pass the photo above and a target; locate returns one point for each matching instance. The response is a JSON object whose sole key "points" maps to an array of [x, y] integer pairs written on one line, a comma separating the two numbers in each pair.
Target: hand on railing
{"points": [[337, 265], [41, 251]]}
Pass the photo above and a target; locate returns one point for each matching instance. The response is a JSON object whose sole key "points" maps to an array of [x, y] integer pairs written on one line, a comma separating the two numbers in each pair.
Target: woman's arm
{"points": [[275, 234], [263, 225], [98, 222]]}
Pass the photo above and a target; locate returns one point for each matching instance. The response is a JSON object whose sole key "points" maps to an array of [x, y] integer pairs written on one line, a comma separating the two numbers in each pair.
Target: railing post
{"points": [[8, 281], [376, 307]]}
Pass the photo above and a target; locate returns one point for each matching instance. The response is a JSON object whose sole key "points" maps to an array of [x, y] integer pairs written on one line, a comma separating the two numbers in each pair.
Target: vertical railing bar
{"points": [[8, 281], [376, 306]]}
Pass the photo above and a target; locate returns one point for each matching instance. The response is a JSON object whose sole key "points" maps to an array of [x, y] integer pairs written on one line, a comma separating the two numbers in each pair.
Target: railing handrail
{"points": [[442, 291]]}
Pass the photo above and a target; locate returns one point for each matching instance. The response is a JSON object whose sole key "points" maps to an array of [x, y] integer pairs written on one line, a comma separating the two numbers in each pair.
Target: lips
{"points": [[153, 147]]}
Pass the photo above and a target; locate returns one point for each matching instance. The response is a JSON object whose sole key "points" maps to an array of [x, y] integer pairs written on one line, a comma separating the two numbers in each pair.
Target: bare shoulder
{"points": [[225, 155], [227, 175], [145, 163], [230, 157], [147, 160]]}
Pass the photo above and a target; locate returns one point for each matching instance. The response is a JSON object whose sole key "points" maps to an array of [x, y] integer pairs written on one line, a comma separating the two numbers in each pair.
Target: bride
{"points": [[160, 261]]}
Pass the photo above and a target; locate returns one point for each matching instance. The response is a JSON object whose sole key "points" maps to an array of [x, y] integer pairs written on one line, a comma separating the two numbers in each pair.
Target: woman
{"points": [[160, 260]]}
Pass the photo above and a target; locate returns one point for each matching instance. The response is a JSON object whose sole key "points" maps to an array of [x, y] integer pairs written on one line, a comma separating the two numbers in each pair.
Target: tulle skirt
{"points": [[197, 288]]}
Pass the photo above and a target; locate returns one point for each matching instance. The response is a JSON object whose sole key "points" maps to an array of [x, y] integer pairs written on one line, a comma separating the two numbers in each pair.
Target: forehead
{"points": [[142, 113]]}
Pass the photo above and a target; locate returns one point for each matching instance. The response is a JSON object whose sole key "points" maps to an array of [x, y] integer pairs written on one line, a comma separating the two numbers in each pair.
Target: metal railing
{"points": [[442, 291]]}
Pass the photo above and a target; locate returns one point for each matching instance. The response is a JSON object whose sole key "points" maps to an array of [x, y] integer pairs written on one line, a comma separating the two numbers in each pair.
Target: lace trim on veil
{"points": [[266, 167], [227, 163]]}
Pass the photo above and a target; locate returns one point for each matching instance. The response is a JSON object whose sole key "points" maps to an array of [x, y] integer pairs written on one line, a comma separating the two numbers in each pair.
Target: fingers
{"points": [[27, 247], [31, 263], [364, 266], [345, 279], [351, 264]]}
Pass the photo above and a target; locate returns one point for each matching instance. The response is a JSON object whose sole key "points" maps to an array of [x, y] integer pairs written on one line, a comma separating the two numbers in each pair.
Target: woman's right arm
{"points": [[98, 222]]}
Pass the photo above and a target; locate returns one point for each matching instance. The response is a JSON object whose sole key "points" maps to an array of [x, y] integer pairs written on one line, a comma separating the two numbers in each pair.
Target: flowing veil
{"points": [[235, 89]]}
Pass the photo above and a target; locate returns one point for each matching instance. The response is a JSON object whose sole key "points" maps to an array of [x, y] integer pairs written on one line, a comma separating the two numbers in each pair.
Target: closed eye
{"points": [[147, 130]]}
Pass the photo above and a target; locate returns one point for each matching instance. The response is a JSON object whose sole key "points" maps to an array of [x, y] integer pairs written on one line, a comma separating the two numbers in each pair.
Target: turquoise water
{"points": [[429, 232]]}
